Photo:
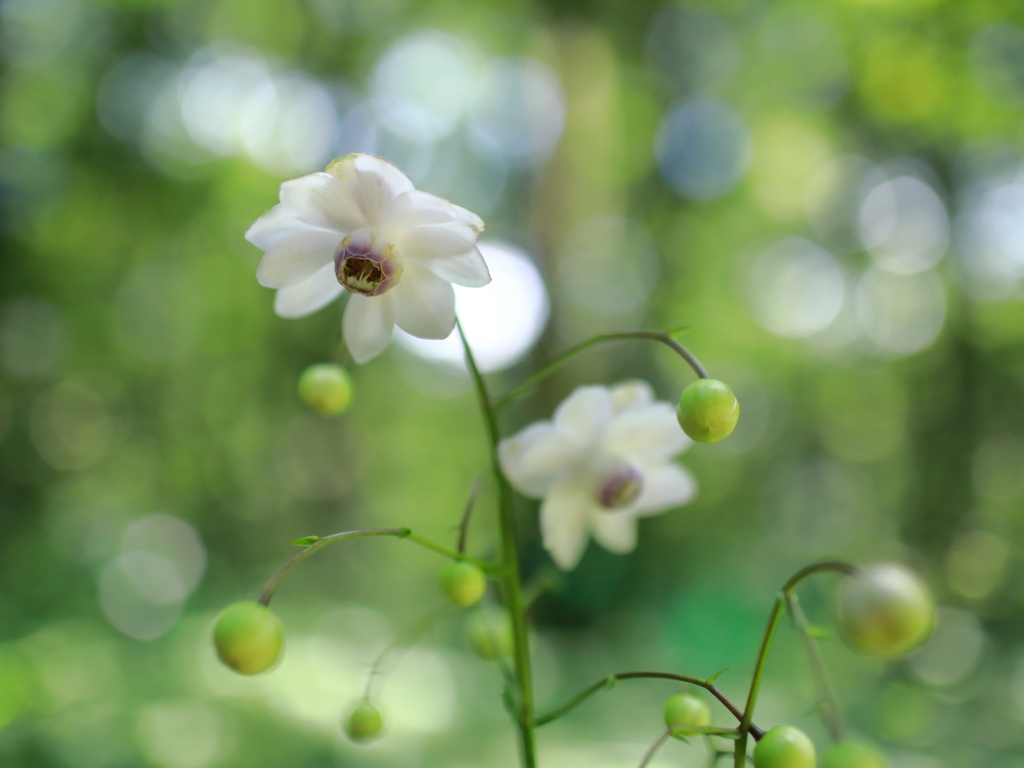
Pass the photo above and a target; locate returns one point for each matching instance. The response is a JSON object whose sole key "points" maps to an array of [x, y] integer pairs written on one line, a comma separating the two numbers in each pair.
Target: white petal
{"points": [[563, 524], [557, 453], [615, 531], [424, 303], [435, 241], [648, 432], [510, 453], [631, 394], [367, 325], [295, 257], [584, 413], [665, 486], [322, 200], [273, 226], [418, 209], [467, 269], [311, 294], [372, 183]]}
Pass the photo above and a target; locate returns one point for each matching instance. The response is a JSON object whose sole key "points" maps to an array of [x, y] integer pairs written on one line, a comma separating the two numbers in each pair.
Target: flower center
{"points": [[365, 266], [620, 488]]}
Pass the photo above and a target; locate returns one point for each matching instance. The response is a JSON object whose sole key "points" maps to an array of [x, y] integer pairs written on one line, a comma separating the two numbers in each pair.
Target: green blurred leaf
{"points": [[305, 541], [717, 675]]}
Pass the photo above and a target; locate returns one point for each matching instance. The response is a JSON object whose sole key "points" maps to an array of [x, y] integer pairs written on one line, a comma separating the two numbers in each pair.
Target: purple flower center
{"points": [[620, 488], [364, 268]]}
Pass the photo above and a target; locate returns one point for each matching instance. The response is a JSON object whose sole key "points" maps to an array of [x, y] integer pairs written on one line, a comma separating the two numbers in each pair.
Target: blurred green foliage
{"points": [[830, 194]]}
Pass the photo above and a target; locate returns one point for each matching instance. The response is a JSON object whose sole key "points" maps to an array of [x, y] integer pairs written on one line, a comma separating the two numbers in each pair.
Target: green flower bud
{"points": [[490, 634], [326, 387], [463, 582], [708, 410], [248, 638], [684, 709], [784, 747], [365, 723], [851, 754], [885, 610]]}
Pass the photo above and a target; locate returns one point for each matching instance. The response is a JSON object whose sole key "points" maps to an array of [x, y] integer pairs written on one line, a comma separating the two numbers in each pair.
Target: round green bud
{"points": [[708, 410], [884, 610], [365, 723], [784, 747], [463, 582], [490, 634], [684, 709], [851, 754], [326, 388], [248, 638]]}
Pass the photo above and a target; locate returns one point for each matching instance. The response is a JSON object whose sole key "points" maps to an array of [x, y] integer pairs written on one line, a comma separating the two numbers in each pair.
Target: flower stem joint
{"points": [[708, 410]]}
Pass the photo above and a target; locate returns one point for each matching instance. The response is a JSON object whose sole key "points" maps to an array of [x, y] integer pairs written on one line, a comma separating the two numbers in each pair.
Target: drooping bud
{"points": [[620, 487], [365, 264], [365, 723], [785, 747], [708, 410], [684, 709], [490, 634], [248, 638], [463, 582], [851, 754], [326, 387], [884, 610]]}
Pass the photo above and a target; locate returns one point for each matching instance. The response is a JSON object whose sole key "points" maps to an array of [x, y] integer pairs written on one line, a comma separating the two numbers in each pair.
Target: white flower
{"points": [[602, 462], [362, 226]]}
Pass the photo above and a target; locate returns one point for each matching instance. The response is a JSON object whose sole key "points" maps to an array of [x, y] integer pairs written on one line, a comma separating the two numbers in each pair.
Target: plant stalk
{"points": [[510, 578]]}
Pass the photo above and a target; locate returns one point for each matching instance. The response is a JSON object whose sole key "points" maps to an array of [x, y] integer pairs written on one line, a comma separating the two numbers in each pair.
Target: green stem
{"points": [[401, 533], [563, 358], [654, 748], [403, 641], [610, 681], [510, 587], [464, 525], [766, 642], [828, 702]]}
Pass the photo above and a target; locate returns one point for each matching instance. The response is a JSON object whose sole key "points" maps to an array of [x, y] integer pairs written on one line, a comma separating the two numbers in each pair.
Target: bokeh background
{"points": [[830, 194]]}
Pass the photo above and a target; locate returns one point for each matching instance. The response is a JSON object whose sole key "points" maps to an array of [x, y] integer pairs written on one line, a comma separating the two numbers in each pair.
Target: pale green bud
{"points": [[708, 410], [248, 638], [684, 709], [365, 723], [463, 582], [326, 388], [785, 747], [884, 610]]}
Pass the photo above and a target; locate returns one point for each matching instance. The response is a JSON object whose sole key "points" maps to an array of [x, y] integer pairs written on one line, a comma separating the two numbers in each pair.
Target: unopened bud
{"points": [[784, 747], [490, 634], [365, 723], [248, 638], [684, 709], [463, 582], [885, 610], [326, 388], [708, 410]]}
